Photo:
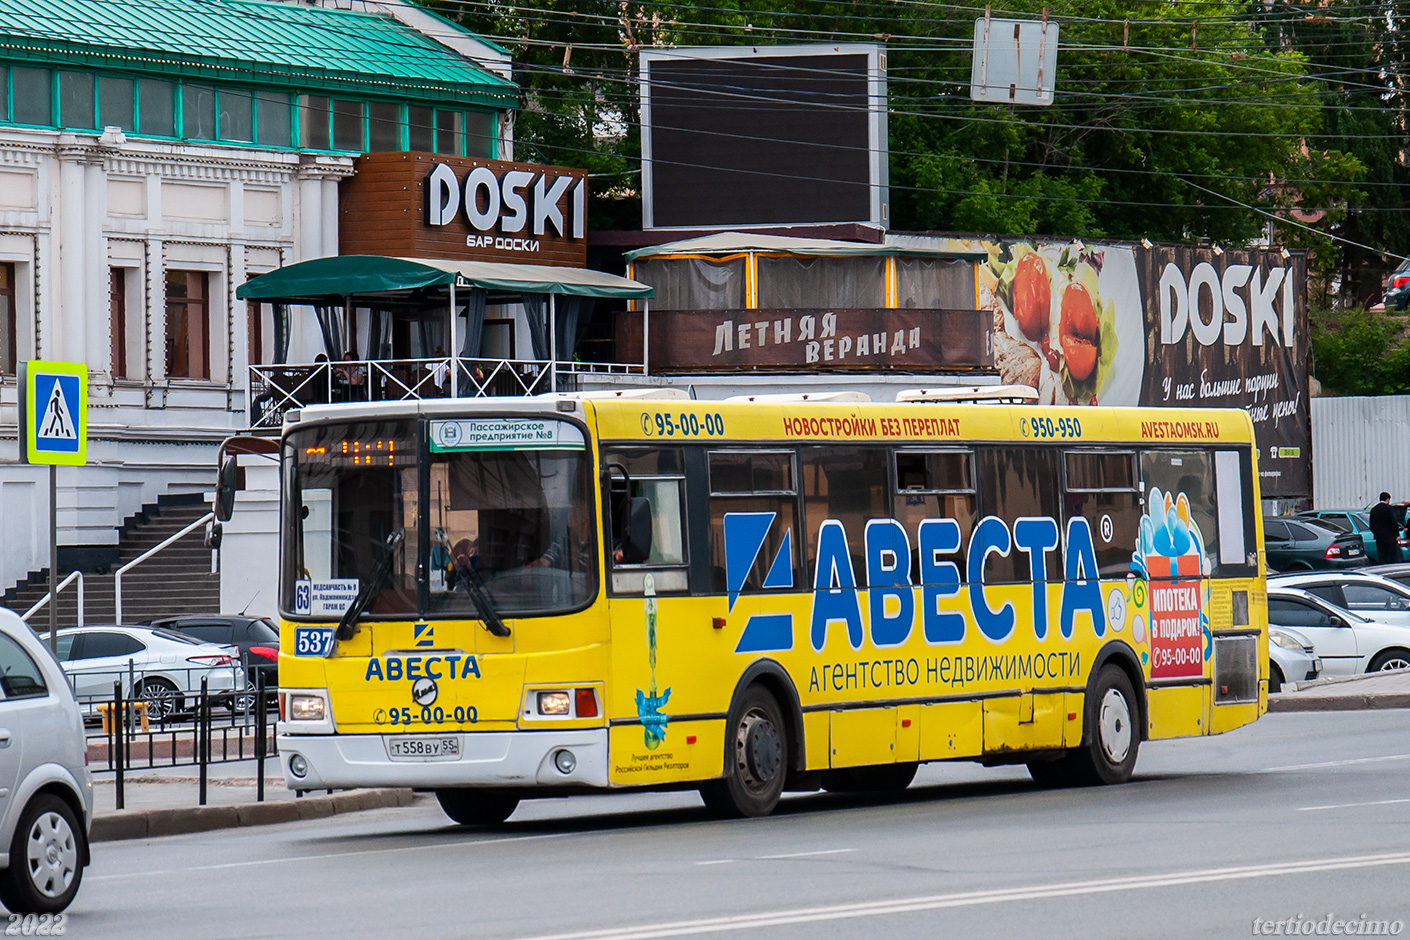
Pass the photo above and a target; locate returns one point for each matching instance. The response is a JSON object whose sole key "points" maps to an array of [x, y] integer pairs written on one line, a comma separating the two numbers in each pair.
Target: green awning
{"points": [[322, 280]]}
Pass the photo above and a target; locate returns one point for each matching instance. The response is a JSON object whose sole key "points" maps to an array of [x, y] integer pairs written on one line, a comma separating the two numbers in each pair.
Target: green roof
{"points": [[254, 41]]}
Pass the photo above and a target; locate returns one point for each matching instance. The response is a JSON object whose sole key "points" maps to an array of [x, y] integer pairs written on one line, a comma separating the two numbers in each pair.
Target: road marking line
{"points": [[1333, 763], [808, 854], [1308, 809], [330, 855], [973, 898], [718, 861]]}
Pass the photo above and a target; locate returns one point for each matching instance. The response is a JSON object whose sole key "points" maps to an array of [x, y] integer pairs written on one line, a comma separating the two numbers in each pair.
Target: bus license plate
{"points": [[421, 747]]}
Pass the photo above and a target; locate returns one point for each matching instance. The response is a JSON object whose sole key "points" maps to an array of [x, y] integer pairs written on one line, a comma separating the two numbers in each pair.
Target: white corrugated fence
{"points": [[1360, 446]]}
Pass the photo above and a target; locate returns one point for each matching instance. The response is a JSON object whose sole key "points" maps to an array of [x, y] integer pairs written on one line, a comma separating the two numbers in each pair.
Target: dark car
{"points": [[1398, 287], [256, 637], [1293, 543], [1357, 522]]}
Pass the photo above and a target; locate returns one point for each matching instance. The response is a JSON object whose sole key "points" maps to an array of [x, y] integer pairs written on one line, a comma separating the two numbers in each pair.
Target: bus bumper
{"points": [[487, 759]]}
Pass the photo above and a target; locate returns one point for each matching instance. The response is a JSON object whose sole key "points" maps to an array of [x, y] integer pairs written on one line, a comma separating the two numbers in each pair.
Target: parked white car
{"points": [[1372, 596], [1292, 659], [166, 667], [1346, 642], [46, 792]]}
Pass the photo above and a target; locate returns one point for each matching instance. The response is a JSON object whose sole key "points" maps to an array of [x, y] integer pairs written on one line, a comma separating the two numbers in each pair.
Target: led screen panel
{"points": [[763, 136]]}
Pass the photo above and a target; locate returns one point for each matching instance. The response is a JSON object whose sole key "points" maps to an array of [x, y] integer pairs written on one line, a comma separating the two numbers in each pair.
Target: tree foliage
{"points": [[1357, 352], [1171, 118]]}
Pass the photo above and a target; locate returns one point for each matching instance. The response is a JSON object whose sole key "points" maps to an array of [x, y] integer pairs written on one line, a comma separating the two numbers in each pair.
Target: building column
{"points": [[330, 215], [68, 324], [98, 323]]}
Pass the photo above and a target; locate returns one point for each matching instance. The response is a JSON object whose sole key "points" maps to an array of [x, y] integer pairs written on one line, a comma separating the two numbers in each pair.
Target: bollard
{"points": [[261, 729], [115, 750], [202, 735]]}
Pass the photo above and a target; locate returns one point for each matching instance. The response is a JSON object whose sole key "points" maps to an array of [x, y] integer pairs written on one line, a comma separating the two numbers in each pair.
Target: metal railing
{"points": [[117, 575], [238, 728], [39, 605], [275, 389]]}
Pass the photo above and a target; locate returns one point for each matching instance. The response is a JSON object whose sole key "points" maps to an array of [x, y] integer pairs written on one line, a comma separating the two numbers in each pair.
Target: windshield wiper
{"points": [[475, 587], [347, 626]]}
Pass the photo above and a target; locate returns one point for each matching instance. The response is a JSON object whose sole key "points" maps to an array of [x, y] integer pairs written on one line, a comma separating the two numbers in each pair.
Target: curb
{"points": [[148, 823], [1307, 702]]}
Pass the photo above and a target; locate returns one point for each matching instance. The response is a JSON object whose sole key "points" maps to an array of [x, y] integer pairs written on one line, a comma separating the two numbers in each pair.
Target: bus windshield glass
{"points": [[508, 514]]}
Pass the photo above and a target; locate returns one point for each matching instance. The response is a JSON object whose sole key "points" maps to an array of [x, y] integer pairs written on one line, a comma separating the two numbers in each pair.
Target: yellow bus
{"points": [[498, 599]]}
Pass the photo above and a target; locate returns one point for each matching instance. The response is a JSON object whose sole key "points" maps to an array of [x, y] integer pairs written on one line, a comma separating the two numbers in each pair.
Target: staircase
{"points": [[177, 580]]}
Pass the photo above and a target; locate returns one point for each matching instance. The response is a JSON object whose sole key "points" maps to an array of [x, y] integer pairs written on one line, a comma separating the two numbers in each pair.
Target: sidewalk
{"points": [[164, 801], [1377, 690]]}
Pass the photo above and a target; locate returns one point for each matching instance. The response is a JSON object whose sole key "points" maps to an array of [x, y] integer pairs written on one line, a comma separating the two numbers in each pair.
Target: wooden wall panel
{"points": [[382, 211]]}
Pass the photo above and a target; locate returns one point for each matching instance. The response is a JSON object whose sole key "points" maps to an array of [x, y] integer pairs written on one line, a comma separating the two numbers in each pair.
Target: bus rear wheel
{"points": [[1111, 738], [473, 807], [757, 751]]}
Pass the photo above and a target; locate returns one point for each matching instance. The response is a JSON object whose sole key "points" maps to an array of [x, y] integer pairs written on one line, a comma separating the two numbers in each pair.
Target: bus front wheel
{"points": [[757, 748], [472, 807]]}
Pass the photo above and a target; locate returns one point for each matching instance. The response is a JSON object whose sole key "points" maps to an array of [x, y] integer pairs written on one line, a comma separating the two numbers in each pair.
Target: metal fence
{"points": [[275, 389], [205, 726]]}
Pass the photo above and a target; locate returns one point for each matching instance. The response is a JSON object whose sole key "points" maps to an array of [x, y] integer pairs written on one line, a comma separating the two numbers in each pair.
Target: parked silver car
{"points": [[46, 792], [1292, 659]]}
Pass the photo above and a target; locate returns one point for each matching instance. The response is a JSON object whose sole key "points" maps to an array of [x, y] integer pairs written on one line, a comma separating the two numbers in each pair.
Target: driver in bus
{"points": [[572, 550]]}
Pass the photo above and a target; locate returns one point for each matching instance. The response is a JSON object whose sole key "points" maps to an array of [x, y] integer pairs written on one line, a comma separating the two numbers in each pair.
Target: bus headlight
{"points": [[298, 766], [565, 762], [306, 708], [554, 703]]}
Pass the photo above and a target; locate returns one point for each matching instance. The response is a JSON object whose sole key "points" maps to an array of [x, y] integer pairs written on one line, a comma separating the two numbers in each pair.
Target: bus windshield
{"points": [[516, 522]]}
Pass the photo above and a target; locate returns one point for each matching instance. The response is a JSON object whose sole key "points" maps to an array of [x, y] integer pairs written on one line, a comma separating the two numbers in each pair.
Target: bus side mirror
{"points": [[636, 531], [225, 484]]}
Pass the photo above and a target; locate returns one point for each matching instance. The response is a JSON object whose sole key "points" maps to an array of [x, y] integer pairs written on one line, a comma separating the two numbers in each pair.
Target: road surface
{"points": [[1297, 817]]}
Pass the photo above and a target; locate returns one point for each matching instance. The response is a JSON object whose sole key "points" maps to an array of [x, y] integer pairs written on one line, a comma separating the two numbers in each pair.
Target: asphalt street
{"points": [[1299, 817]]}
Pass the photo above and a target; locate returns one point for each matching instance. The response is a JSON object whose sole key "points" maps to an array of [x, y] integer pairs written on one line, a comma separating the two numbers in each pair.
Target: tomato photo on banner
{"points": [[1177, 639]]}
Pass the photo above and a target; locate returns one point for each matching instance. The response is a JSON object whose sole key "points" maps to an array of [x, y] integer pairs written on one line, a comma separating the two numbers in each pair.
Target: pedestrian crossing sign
{"points": [[54, 412]]}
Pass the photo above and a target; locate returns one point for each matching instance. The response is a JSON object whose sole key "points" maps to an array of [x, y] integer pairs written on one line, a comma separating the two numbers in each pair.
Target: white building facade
{"points": [[135, 197]]}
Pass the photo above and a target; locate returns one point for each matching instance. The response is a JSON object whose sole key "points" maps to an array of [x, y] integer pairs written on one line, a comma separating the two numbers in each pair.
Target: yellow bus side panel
{"points": [[951, 729], [1177, 712], [862, 736], [1005, 729], [1073, 703], [908, 733], [817, 733], [1228, 717], [678, 759]]}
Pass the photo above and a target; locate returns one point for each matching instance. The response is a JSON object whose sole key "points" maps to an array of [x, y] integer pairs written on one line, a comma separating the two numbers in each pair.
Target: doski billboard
{"points": [[1092, 324]]}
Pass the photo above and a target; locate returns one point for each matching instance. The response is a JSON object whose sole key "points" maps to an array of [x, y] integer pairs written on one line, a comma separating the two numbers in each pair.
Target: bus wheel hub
{"points": [[763, 751]]}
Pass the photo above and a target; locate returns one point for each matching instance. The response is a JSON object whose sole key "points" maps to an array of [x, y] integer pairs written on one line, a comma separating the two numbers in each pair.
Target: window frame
{"points": [[1134, 466], [684, 563], [897, 453], [12, 327], [204, 304], [792, 456]]}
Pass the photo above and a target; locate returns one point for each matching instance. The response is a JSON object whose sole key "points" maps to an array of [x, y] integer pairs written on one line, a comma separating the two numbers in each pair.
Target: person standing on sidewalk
{"points": [[1386, 531]]}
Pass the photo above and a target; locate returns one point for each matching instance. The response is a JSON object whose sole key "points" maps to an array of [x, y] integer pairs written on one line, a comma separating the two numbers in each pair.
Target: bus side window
{"points": [[1100, 486], [935, 485], [1186, 485], [849, 484], [761, 485], [656, 476], [1016, 482]]}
